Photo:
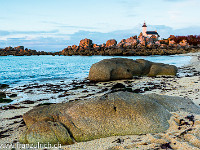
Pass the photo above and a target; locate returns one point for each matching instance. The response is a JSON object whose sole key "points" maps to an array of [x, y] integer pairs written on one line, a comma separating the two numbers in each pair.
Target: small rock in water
{"points": [[44, 104], [11, 107], [2, 95], [3, 86], [28, 102], [13, 95], [4, 100]]}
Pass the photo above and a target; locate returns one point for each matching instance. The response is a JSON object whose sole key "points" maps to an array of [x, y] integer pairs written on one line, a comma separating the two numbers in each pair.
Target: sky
{"points": [[52, 25]]}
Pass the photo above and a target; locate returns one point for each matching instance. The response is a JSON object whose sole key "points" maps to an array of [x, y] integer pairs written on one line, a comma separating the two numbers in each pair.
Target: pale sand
{"points": [[188, 87]]}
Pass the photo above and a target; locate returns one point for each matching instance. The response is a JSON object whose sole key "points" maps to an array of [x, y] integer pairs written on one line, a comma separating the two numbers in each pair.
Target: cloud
{"points": [[52, 22], [131, 15], [51, 40], [188, 31], [3, 18], [129, 3], [174, 14], [99, 37], [5, 33], [59, 41], [39, 43], [34, 32], [63, 25], [175, 0], [76, 27], [129, 7]]}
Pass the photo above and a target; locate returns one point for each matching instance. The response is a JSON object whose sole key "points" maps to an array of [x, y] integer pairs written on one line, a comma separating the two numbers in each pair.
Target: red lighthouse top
{"points": [[144, 25]]}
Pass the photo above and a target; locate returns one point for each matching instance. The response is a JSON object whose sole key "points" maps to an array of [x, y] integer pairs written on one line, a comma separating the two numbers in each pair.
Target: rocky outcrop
{"points": [[20, 51], [122, 68], [133, 46], [19, 48], [128, 43], [114, 114], [184, 43], [86, 43], [111, 42]]}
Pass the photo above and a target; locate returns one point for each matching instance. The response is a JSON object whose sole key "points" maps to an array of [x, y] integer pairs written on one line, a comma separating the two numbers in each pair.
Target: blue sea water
{"points": [[16, 70]]}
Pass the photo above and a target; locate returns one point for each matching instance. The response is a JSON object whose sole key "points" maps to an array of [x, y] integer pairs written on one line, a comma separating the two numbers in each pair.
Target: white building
{"points": [[149, 34]]}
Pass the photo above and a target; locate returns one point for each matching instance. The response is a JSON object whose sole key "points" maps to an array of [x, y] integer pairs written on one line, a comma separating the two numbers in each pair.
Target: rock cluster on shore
{"points": [[133, 46], [119, 113], [20, 51], [122, 68]]}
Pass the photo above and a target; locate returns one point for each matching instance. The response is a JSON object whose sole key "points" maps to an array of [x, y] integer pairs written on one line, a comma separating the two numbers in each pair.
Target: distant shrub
{"points": [[191, 39]]}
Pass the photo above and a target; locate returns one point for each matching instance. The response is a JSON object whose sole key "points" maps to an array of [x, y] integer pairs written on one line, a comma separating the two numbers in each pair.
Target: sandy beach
{"points": [[184, 131]]}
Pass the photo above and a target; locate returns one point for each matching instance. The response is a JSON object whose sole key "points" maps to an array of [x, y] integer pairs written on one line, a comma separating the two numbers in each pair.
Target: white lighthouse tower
{"points": [[144, 30]]}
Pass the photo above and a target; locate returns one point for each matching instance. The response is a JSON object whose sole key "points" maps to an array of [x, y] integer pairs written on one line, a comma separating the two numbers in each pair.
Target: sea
{"points": [[20, 70]]}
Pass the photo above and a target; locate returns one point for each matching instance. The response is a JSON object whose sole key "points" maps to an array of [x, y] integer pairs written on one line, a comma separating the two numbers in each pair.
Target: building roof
{"points": [[152, 32], [144, 25]]}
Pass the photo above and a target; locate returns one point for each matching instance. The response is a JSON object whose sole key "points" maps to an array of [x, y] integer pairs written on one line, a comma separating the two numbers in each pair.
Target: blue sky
{"points": [[55, 24]]}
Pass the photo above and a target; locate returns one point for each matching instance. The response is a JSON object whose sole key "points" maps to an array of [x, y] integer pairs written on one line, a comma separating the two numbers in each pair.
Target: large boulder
{"points": [[128, 43], [114, 114], [9, 48], [111, 43], [74, 47], [3, 86], [47, 132], [122, 68], [19, 48], [2, 95], [162, 69], [113, 69], [86, 43]]}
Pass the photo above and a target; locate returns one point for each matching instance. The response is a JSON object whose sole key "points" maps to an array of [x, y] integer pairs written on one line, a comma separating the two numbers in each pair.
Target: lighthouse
{"points": [[149, 34], [144, 30]]}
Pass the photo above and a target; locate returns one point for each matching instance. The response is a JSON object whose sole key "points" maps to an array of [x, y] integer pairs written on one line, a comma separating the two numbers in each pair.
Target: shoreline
{"points": [[12, 125], [112, 50]]}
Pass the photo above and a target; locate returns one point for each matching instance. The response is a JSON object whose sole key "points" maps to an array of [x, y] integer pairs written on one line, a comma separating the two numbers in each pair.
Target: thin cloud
{"points": [[6, 33], [34, 32], [174, 14], [39, 43], [132, 15], [129, 7], [62, 25], [175, 0], [2, 17], [76, 27]]}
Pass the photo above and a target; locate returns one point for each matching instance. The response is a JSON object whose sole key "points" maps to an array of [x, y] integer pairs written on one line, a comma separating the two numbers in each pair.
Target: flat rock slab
{"points": [[114, 114]]}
